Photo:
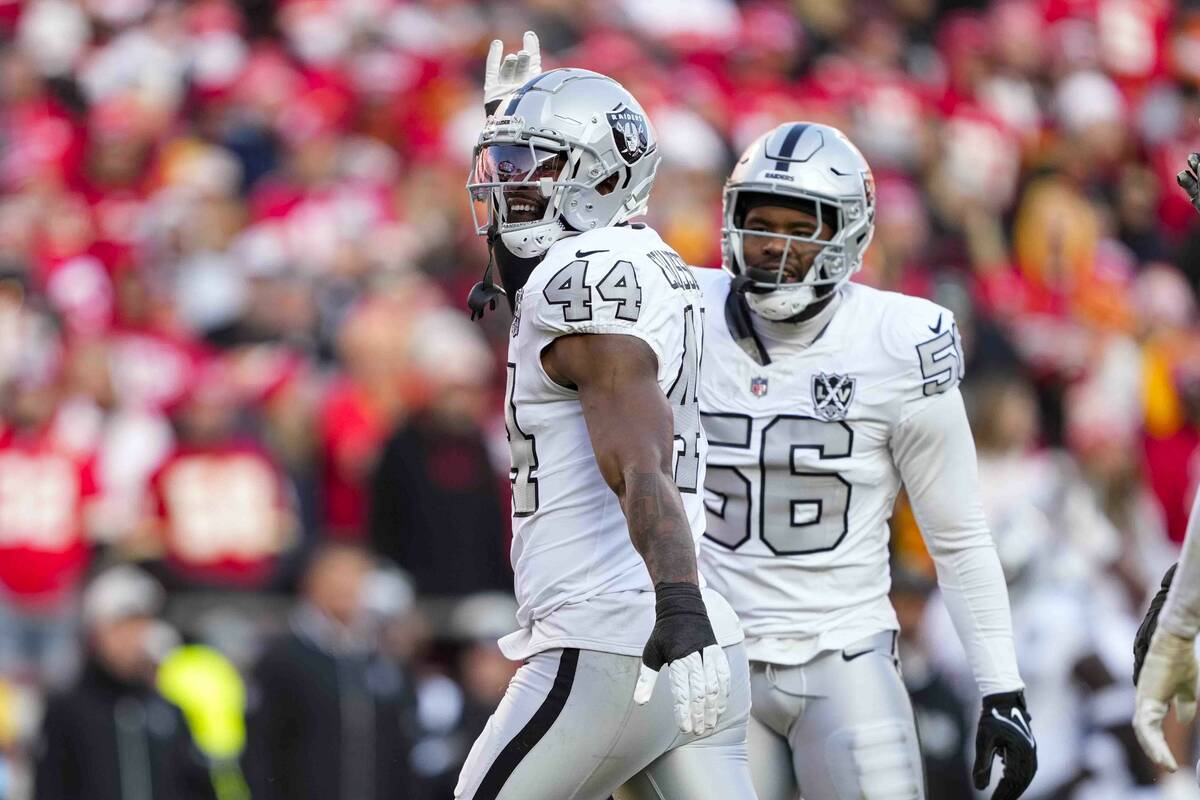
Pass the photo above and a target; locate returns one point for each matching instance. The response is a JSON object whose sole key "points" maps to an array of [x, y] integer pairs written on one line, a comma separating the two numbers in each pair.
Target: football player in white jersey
{"points": [[820, 397], [607, 464]]}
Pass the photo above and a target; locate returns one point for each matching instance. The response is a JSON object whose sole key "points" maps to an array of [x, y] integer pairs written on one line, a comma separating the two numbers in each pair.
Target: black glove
{"points": [[681, 625], [683, 640], [1004, 729], [1145, 631], [1189, 179]]}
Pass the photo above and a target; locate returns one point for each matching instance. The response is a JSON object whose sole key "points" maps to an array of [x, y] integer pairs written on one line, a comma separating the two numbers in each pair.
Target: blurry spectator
{"points": [[222, 513], [390, 610], [125, 443], [362, 406], [45, 491], [153, 360], [329, 715], [1059, 552], [434, 494], [113, 735]]}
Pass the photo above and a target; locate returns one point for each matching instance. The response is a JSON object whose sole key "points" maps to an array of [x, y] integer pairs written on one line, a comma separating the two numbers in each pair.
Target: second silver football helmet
{"points": [[815, 167]]}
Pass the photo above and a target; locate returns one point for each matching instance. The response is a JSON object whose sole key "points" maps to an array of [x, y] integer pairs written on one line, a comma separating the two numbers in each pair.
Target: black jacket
{"points": [[328, 723], [436, 510], [110, 740]]}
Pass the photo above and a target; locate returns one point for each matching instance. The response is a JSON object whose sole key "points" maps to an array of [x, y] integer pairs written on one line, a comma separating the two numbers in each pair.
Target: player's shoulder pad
{"points": [[921, 337], [606, 280], [713, 281]]}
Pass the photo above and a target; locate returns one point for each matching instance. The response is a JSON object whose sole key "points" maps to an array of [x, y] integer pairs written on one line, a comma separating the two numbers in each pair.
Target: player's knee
{"points": [[879, 761]]}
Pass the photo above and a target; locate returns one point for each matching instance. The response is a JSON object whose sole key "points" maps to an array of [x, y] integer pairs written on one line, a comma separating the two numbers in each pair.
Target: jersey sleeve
{"points": [[922, 342], [935, 454], [614, 292], [1181, 613]]}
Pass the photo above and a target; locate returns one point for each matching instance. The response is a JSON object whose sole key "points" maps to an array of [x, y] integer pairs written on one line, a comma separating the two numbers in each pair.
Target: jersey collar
{"points": [[741, 326]]}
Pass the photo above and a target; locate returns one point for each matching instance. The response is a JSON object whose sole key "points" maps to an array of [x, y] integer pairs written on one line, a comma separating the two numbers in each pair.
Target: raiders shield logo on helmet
{"points": [[629, 132], [831, 395]]}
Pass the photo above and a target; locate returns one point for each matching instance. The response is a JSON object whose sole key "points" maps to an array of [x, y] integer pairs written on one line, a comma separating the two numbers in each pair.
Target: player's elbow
{"points": [[953, 537], [641, 461]]}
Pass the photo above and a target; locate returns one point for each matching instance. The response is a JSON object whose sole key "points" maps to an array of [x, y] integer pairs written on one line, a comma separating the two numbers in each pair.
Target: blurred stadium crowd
{"points": [[234, 242]]}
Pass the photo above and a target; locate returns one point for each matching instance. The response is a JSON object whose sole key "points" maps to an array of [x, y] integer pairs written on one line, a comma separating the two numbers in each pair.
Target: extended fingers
{"points": [[508, 68], [530, 45], [491, 67]]}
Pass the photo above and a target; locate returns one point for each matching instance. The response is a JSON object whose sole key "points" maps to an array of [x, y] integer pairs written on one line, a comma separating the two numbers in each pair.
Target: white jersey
{"points": [[579, 580], [801, 478]]}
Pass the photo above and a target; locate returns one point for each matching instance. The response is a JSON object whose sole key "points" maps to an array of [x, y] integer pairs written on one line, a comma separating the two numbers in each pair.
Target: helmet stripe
{"points": [[512, 104], [789, 144]]}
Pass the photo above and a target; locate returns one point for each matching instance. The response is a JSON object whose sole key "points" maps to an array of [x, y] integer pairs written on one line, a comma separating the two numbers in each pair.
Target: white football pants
{"points": [[568, 729], [840, 726]]}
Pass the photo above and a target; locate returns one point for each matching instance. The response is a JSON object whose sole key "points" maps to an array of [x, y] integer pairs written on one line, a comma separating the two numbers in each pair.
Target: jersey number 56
{"points": [[799, 512]]}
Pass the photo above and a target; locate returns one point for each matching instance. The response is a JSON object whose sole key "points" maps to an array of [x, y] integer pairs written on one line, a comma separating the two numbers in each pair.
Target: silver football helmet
{"points": [[569, 151], [814, 167]]}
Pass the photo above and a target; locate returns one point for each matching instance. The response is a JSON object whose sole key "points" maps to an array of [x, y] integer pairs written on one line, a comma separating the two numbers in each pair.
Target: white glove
{"points": [[1169, 673], [504, 73], [699, 688]]}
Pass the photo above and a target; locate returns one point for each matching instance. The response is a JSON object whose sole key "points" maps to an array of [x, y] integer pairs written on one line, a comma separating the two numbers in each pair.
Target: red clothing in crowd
{"points": [[223, 513], [351, 436], [152, 368], [1172, 469], [43, 543]]}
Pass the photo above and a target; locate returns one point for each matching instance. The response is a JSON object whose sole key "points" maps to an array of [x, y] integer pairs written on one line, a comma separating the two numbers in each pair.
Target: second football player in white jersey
{"points": [[820, 398]]}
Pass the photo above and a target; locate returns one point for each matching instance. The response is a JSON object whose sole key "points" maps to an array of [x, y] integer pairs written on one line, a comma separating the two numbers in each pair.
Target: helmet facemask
{"points": [[533, 192], [516, 190], [773, 288]]}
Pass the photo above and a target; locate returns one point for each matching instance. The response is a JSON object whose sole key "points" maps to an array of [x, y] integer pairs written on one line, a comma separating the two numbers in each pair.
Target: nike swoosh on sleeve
{"points": [[586, 253], [936, 328]]}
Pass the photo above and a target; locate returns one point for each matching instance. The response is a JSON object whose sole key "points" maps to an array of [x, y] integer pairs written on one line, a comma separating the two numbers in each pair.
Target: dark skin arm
{"points": [[631, 426]]}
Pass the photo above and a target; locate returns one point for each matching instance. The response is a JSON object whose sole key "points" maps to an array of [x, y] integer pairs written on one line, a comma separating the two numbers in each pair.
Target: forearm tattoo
{"points": [[659, 528]]}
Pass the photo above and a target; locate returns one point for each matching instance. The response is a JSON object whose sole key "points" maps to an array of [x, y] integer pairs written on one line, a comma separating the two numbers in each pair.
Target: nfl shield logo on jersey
{"points": [[758, 387], [831, 395]]}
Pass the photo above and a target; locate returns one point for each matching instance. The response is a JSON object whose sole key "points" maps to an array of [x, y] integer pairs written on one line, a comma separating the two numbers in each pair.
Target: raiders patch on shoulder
{"points": [[630, 133]]}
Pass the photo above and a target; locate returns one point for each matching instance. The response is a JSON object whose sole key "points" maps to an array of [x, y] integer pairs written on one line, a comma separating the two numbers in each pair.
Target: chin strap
{"points": [[484, 294]]}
